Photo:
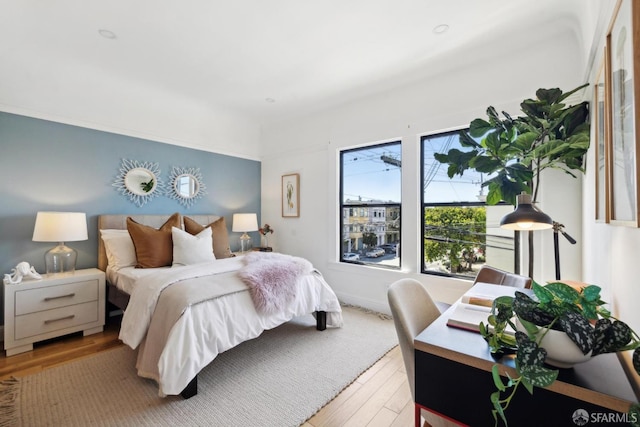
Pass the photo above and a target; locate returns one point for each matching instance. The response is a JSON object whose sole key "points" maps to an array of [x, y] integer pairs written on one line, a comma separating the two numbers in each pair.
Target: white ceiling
{"points": [[233, 55]]}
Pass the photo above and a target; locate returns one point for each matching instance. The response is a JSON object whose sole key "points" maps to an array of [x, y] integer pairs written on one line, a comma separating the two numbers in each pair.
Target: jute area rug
{"points": [[280, 379]]}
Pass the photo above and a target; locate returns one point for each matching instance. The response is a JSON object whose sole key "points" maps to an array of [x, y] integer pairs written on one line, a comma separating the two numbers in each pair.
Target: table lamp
{"points": [[243, 222], [60, 227]]}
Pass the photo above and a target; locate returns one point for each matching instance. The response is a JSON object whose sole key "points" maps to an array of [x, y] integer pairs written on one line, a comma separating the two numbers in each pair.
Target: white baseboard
{"points": [[363, 302]]}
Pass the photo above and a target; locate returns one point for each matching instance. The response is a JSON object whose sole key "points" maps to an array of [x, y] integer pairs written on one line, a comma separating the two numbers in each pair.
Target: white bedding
{"points": [[125, 278], [147, 290], [203, 330]]}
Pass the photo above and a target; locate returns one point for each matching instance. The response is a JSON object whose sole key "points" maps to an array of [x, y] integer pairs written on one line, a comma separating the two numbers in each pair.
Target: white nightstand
{"points": [[59, 304]]}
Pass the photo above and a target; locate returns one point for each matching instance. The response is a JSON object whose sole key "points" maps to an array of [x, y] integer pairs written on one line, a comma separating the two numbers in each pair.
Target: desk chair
{"points": [[413, 310], [488, 274]]}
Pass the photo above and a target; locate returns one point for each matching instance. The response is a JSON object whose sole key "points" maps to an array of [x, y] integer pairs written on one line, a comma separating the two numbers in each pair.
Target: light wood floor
{"points": [[380, 397]]}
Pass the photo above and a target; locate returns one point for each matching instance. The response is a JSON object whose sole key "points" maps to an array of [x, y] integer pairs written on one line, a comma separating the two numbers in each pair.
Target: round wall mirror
{"points": [[186, 185], [139, 181]]}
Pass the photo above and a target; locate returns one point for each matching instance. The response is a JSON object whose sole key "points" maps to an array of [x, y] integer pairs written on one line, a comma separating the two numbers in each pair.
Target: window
{"points": [[460, 232], [370, 197]]}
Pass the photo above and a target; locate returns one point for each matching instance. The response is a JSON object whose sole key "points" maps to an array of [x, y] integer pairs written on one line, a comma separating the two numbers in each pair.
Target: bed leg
{"points": [[191, 389], [321, 320]]}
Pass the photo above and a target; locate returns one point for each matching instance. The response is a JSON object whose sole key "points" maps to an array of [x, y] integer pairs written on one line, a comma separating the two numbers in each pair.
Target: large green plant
{"points": [[514, 151], [579, 313]]}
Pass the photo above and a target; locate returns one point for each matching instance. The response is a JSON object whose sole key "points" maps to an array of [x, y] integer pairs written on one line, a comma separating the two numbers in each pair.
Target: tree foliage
{"points": [[369, 239], [453, 233], [514, 151]]}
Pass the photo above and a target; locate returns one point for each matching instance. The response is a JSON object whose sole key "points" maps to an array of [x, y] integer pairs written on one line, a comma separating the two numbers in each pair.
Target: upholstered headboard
{"points": [[119, 222]]}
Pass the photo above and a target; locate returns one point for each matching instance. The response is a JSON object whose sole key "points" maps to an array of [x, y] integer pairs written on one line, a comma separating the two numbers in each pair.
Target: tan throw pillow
{"points": [[154, 248], [219, 232]]}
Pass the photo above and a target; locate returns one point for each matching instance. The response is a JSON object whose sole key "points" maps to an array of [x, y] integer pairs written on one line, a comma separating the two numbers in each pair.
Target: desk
{"points": [[453, 379]]}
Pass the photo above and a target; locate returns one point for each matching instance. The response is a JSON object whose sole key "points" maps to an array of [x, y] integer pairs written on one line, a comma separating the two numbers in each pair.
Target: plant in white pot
{"points": [[554, 309]]}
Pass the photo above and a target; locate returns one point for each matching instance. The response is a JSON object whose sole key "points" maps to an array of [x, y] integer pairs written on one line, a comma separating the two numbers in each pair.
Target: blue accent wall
{"points": [[49, 166]]}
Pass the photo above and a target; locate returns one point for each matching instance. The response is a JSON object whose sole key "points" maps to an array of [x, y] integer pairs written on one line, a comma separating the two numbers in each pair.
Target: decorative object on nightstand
{"points": [[265, 230], [57, 305], [60, 227], [22, 271], [243, 222]]}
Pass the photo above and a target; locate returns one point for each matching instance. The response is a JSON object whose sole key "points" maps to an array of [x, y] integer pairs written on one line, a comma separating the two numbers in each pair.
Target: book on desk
{"points": [[475, 307]]}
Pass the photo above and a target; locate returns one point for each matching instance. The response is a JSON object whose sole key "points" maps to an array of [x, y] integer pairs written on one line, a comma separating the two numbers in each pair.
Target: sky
{"points": [[372, 174]]}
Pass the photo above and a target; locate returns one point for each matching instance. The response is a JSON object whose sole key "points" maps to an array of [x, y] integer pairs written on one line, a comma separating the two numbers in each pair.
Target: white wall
{"points": [[610, 252], [310, 146], [143, 111]]}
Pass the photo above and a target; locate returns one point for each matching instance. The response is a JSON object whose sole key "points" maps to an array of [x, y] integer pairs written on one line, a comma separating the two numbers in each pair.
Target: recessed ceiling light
{"points": [[107, 34], [440, 29], [270, 100]]}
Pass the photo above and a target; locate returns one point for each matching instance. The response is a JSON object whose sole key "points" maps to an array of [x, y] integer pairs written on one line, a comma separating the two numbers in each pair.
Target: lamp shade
{"points": [[525, 216], [60, 227], [243, 222]]}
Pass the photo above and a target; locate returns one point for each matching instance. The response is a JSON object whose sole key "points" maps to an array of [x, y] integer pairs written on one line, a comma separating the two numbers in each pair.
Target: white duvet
{"points": [[174, 354], [146, 292]]}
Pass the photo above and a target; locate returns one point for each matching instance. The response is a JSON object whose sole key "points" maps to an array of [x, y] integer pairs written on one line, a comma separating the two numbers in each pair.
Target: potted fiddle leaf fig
{"points": [[514, 151], [578, 315]]}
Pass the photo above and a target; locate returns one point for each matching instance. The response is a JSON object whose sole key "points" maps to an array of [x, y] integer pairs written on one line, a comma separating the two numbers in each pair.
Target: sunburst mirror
{"points": [[139, 181], [186, 185]]}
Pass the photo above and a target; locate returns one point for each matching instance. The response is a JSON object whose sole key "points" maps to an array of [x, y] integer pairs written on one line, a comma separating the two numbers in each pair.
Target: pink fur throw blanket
{"points": [[272, 278]]}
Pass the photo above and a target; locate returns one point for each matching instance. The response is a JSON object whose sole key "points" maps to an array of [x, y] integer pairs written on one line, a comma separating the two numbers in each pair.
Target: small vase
{"points": [[266, 241]]}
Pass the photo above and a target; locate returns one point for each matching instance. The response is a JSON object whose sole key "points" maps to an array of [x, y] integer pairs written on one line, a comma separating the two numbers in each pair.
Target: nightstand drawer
{"points": [[47, 298], [52, 320]]}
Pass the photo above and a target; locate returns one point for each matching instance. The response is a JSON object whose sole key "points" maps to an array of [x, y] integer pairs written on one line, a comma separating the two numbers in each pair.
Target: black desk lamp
{"points": [[558, 228], [527, 217]]}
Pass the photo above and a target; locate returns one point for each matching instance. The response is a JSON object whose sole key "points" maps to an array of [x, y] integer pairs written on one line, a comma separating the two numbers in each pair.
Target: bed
{"points": [[181, 316]]}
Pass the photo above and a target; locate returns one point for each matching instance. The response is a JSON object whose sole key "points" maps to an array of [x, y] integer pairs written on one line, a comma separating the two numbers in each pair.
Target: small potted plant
{"points": [[556, 308], [264, 230]]}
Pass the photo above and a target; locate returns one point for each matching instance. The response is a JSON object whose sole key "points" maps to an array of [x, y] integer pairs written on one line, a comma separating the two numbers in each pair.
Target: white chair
{"points": [[413, 310]]}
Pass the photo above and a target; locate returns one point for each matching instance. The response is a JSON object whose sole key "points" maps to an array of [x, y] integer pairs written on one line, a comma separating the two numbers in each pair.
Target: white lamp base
{"points": [[245, 242], [60, 259]]}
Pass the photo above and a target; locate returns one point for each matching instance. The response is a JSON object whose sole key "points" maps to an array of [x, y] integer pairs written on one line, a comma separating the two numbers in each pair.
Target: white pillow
{"points": [[119, 248], [189, 249]]}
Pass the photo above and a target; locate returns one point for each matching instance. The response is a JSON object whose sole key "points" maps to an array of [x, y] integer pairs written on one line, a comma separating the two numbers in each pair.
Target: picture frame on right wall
{"points": [[601, 146], [291, 195], [623, 88]]}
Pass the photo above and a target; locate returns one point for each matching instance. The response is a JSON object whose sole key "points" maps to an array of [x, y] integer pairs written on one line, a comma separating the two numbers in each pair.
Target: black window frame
{"points": [[362, 209], [424, 205]]}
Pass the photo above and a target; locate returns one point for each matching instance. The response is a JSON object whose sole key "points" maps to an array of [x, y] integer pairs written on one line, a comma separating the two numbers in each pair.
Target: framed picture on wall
{"points": [[601, 144], [622, 80], [291, 195]]}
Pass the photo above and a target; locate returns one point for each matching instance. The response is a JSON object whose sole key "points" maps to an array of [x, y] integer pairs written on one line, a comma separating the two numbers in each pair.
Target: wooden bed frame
{"points": [[120, 298]]}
